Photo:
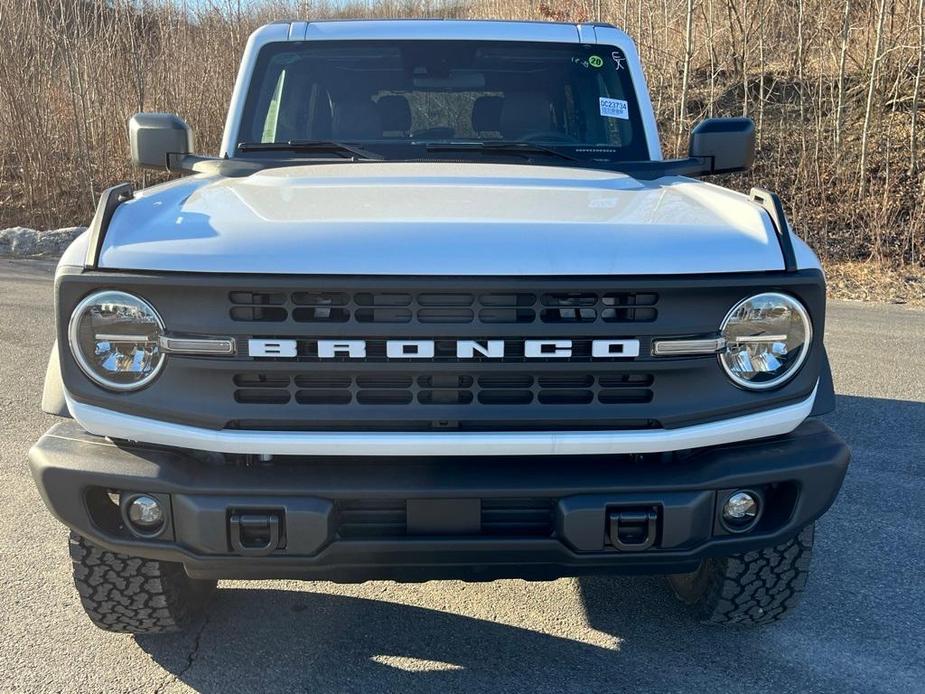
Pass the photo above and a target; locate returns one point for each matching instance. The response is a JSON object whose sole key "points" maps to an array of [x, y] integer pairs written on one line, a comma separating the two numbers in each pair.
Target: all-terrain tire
{"points": [[134, 595], [748, 589]]}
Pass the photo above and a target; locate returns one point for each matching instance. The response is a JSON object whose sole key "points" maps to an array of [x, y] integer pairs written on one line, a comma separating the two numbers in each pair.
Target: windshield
{"points": [[399, 99]]}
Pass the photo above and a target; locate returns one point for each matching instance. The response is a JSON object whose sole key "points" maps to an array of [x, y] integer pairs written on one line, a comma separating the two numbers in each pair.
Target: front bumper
{"points": [[354, 519]]}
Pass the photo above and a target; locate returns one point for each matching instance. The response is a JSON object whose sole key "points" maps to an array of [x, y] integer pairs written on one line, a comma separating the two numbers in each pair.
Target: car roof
{"points": [[445, 29]]}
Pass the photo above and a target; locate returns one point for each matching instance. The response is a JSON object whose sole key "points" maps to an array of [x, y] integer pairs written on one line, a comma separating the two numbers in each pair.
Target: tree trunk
{"points": [[868, 110]]}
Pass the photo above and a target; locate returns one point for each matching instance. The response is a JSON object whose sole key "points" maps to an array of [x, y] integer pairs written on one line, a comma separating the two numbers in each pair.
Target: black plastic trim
{"points": [[774, 207], [109, 201], [825, 391], [811, 460]]}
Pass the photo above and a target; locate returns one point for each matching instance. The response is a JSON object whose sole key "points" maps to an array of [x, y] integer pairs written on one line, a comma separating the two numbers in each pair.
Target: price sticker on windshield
{"points": [[614, 108]]}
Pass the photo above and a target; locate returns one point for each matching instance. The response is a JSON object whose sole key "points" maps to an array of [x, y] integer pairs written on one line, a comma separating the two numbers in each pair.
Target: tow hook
{"points": [[632, 530], [254, 534]]}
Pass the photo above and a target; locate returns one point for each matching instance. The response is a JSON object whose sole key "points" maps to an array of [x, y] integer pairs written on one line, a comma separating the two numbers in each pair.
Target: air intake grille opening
{"points": [[490, 308], [371, 518], [517, 517], [383, 518], [442, 389]]}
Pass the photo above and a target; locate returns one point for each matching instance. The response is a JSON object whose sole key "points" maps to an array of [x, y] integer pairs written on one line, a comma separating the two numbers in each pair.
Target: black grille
{"points": [[494, 308], [379, 518], [443, 393], [443, 389]]}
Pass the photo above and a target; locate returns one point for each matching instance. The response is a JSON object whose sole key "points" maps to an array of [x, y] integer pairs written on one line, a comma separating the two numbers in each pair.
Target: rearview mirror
{"points": [[727, 144], [153, 136]]}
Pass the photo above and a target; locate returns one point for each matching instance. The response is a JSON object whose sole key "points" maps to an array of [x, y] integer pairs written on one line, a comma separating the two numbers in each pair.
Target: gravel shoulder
{"points": [[860, 627]]}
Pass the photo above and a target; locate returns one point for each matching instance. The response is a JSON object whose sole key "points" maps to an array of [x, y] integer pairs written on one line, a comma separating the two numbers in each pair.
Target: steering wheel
{"points": [[548, 136]]}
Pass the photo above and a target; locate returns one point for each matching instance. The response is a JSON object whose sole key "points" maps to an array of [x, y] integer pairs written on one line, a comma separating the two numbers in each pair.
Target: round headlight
{"points": [[767, 340], [115, 338]]}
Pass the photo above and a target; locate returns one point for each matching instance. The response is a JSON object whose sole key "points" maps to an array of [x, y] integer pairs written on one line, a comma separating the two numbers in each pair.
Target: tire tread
{"points": [[128, 594], [749, 589]]}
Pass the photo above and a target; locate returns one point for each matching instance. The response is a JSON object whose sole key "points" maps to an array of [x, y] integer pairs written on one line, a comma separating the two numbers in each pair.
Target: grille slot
{"points": [[566, 397], [443, 307], [371, 518], [262, 396], [624, 397], [517, 517], [320, 298], [322, 381], [261, 381], [383, 315], [506, 381], [384, 397], [505, 397], [320, 314], [323, 397], [445, 397]]}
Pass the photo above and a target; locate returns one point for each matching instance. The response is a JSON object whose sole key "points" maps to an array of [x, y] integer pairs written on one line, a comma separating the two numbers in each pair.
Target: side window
{"points": [[272, 116]]}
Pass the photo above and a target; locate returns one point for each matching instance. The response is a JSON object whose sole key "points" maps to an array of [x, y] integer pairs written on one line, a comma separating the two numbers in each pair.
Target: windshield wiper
{"points": [[521, 148], [319, 146]]}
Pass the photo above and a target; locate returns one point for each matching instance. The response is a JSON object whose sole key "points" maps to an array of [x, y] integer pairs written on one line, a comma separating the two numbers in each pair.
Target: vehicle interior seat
{"points": [[356, 117], [394, 115], [525, 112], [486, 115]]}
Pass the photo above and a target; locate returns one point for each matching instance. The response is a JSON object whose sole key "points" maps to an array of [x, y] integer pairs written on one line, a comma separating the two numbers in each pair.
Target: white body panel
{"points": [[104, 422], [440, 219]]}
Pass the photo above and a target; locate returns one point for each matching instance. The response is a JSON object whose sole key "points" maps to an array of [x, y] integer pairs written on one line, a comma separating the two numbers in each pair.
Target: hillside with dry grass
{"points": [[835, 88]]}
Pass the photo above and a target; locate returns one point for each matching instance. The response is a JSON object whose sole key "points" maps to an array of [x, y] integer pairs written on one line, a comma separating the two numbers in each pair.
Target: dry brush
{"points": [[835, 87]]}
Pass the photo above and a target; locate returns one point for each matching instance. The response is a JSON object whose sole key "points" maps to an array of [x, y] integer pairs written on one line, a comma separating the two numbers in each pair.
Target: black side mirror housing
{"points": [[154, 136], [726, 145]]}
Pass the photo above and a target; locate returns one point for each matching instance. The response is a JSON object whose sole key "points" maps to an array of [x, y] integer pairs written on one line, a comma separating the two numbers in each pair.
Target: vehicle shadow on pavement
{"points": [[276, 640]]}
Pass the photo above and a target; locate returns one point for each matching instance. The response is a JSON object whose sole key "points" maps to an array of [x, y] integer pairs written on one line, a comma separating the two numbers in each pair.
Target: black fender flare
{"points": [[53, 401]]}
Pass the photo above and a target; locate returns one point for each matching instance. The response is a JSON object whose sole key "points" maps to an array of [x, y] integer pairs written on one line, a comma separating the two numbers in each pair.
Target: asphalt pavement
{"points": [[860, 628]]}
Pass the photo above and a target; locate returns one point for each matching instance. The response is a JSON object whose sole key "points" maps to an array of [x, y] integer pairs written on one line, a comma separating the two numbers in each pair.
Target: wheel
{"points": [[748, 589], [134, 595]]}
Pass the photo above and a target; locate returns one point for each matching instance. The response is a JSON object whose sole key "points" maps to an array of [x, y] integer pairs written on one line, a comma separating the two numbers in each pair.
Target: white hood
{"points": [[440, 219]]}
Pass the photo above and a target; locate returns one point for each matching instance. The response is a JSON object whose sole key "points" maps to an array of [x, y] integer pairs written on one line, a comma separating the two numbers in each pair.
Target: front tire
{"points": [[133, 595], [748, 589]]}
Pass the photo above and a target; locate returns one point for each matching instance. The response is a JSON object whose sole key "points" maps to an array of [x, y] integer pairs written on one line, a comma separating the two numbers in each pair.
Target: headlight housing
{"points": [[115, 339], [767, 339]]}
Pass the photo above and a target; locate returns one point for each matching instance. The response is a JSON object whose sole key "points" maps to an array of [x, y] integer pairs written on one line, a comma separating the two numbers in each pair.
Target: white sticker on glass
{"points": [[615, 108]]}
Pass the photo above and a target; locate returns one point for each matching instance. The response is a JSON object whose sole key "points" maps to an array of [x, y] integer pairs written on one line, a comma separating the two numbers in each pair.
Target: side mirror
{"points": [[153, 136], [727, 144]]}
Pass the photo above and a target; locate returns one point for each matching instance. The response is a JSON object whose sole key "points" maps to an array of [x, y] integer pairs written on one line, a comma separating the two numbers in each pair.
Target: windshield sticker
{"points": [[614, 108], [619, 61], [596, 61]]}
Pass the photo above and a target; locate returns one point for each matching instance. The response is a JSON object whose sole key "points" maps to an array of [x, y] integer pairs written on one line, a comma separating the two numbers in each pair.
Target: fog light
{"points": [[740, 510], [145, 514]]}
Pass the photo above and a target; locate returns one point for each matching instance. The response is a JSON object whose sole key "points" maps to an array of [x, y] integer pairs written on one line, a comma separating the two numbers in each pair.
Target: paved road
{"points": [[861, 627]]}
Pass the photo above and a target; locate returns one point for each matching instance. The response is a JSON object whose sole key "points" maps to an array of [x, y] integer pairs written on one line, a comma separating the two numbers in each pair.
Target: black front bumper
{"points": [[419, 519]]}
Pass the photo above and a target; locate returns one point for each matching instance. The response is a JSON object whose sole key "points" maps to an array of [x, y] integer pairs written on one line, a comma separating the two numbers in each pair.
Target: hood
{"points": [[440, 219]]}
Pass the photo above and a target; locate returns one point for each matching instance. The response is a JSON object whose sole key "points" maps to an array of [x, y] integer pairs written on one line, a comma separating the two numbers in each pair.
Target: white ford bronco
{"points": [[438, 309]]}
